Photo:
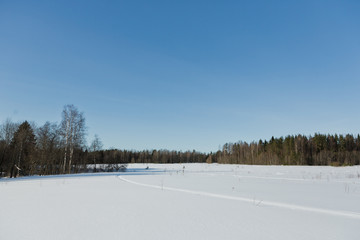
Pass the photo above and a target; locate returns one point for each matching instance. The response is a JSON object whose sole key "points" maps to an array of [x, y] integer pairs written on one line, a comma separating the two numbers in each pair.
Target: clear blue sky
{"points": [[183, 74]]}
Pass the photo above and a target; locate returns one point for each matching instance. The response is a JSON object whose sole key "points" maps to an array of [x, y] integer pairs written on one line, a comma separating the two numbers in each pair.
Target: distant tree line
{"points": [[26, 149], [153, 156], [320, 149]]}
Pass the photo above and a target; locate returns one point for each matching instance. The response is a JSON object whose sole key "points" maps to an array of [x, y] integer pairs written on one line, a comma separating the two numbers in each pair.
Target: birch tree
{"points": [[72, 128]]}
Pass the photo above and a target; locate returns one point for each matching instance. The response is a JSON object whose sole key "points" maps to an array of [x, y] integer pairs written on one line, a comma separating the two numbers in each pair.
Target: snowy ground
{"points": [[200, 201]]}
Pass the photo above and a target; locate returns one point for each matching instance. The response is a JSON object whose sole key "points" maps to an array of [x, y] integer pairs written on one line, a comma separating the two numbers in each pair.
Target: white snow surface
{"points": [[185, 201]]}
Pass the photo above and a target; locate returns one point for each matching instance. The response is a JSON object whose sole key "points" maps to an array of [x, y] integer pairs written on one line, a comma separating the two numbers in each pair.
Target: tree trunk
{"points": [[19, 160], [70, 158]]}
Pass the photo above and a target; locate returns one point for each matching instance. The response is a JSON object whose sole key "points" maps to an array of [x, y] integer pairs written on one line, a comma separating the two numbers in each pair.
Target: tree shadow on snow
{"points": [[126, 172]]}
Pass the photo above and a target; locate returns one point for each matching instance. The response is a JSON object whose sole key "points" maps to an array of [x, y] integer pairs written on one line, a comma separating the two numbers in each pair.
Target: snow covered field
{"points": [[185, 201]]}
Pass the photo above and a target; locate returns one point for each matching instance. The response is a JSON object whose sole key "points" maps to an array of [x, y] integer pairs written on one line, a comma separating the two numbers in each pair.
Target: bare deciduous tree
{"points": [[7, 131], [47, 144], [72, 130]]}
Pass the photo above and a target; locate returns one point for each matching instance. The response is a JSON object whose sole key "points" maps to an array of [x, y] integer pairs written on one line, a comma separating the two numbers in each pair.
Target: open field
{"points": [[185, 201]]}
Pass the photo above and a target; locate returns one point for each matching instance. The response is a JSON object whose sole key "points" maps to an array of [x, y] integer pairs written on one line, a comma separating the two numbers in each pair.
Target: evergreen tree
{"points": [[23, 148]]}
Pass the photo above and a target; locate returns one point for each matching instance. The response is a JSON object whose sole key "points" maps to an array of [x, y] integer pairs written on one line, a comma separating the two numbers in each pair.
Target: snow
{"points": [[200, 201]]}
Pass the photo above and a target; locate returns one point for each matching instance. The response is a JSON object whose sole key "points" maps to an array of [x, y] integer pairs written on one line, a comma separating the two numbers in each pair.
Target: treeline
{"points": [[320, 149], [26, 149], [48, 150], [153, 156]]}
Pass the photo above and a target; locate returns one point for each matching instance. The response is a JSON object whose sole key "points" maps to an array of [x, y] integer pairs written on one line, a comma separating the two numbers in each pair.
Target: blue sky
{"points": [[183, 75]]}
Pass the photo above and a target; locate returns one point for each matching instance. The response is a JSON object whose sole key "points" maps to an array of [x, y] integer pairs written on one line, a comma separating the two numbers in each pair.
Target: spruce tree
{"points": [[23, 148]]}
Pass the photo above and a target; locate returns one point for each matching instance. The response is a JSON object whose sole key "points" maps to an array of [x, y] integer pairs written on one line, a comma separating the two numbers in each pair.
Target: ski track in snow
{"points": [[355, 215]]}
